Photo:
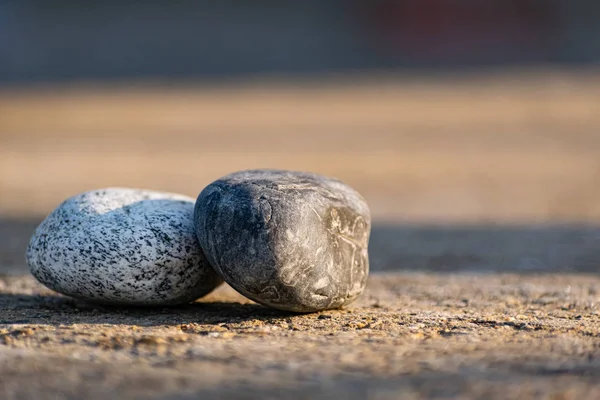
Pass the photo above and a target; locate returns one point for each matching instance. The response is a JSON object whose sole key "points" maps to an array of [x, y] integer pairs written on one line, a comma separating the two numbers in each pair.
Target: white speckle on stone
{"points": [[290, 235], [321, 283], [122, 246]]}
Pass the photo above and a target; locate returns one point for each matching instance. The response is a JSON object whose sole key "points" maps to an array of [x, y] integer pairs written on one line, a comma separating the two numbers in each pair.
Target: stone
{"points": [[122, 246], [294, 241]]}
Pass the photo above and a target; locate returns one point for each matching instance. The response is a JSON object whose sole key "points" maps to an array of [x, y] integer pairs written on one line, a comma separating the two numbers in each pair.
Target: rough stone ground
{"points": [[485, 246], [415, 335]]}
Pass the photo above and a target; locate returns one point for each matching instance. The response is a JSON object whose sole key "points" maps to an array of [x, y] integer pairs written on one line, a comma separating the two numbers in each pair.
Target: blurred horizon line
{"points": [[356, 78]]}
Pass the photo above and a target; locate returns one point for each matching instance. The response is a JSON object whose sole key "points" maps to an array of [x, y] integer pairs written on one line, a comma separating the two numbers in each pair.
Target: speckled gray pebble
{"points": [[122, 246], [290, 240]]}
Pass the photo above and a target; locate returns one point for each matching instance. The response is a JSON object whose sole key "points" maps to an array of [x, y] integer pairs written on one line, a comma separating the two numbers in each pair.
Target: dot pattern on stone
{"points": [[122, 246], [290, 240]]}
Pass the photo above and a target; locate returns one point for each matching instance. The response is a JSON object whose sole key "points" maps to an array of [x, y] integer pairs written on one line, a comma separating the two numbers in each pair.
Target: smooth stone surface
{"points": [[122, 246], [291, 240]]}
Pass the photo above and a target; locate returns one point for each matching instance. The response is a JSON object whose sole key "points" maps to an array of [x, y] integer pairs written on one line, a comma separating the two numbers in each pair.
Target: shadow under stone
{"points": [[59, 310]]}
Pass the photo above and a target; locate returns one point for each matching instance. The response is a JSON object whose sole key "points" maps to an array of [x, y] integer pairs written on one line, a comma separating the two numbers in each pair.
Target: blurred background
{"points": [[472, 128]]}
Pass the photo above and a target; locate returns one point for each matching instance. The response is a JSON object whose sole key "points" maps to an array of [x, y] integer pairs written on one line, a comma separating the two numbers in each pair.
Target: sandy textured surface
{"points": [[485, 249], [416, 335]]}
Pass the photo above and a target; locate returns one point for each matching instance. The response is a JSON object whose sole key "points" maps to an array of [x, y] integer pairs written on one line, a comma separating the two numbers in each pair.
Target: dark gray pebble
{"points": [[290, 240], [122, 246]]}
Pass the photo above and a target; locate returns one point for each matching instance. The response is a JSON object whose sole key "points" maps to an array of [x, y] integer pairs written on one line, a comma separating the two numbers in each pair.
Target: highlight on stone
{"points": [[122, 246], [294, 241]]}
